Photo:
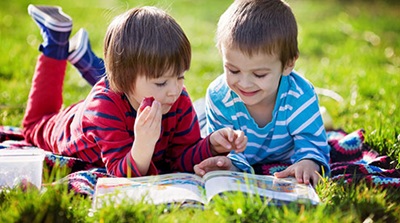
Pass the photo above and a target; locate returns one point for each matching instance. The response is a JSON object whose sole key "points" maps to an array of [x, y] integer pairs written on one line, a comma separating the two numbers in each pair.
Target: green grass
{"points": [[351, 47]]}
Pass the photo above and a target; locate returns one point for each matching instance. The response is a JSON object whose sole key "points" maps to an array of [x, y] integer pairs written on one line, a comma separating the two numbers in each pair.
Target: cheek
{"points": [[158, 95], [133, 100], [269, 84], [180, 86], [231, 80]]}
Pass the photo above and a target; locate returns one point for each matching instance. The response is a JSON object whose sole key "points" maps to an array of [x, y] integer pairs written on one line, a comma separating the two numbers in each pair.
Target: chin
{"points": [[165, 110], [249, 102], [245, 100]]}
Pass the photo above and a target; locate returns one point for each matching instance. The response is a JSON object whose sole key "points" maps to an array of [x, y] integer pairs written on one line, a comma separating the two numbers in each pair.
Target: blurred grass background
{"points": [[350, 47]]}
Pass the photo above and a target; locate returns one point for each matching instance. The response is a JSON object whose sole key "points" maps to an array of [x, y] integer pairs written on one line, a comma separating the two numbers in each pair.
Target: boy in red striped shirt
{"points": [[146, 55]]}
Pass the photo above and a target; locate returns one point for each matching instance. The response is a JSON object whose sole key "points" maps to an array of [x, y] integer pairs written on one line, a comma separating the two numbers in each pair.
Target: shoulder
{"points": [[103, 101], [300, 81], [105, 109], [298, 85], [218, 90], [218, 86], [102, 93]]}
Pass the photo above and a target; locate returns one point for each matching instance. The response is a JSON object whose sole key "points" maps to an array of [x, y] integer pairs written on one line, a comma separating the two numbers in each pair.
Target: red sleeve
{"points": [[187, 147], [108, 121], [133, 171]]}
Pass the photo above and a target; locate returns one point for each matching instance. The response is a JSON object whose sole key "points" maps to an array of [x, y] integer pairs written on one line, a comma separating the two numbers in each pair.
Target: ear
{"points": [[289, 66]]}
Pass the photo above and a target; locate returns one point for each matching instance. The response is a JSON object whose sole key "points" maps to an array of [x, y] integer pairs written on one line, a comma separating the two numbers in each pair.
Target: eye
{"points": [[260, 75], [233, 71], [161, 84], [181, 77]]}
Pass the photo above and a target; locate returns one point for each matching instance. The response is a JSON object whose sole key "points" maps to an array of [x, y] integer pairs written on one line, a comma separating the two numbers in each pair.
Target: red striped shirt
{"points": [[100, 130]]}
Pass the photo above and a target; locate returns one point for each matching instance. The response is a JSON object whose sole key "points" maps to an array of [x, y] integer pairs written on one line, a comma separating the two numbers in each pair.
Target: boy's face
{"points": [[165, 90], [254, 79]]}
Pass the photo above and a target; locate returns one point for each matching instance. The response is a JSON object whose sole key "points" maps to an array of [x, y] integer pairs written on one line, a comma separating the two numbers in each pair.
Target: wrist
{"points": [[212, 150], [316, 163], [211, 146]]}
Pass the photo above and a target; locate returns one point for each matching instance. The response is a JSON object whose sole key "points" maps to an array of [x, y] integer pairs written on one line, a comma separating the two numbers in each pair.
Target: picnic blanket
{"points": [[352, 161]]}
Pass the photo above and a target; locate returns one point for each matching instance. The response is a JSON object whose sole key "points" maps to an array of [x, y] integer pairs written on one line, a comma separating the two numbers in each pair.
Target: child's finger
{"points": [[155, 107], [207, 163], [198, 170], [158, 113], [239, 134], [241, 143], [231, 136], [220, 163], [239, 138], [280, 174], [306, 177], [142, 118], [221, 140], [299, 175], [283, 173], [315, 178], [155, 115]]}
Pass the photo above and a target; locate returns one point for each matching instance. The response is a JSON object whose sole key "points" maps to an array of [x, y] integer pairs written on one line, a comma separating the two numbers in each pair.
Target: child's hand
{"points": [[147, 131], [213, 163], [148, 122], [305, 171], [226, 139]]}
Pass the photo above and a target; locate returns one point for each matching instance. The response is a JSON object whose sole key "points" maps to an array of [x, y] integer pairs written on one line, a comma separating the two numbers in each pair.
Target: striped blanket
{"points": [[352, 161]]}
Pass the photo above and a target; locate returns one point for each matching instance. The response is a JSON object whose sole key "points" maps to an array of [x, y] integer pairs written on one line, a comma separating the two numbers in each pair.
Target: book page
{"points": [[167, 188], [268, 187]]}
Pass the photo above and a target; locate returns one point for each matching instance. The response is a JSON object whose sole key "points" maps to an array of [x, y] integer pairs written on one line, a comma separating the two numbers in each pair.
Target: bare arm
{"points": [[147, 132]]}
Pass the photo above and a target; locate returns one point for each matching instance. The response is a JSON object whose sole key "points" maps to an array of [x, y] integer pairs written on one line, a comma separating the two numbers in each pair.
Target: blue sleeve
{"points": [[306, 127], [218, 116], [216, 111], [240, 161]]}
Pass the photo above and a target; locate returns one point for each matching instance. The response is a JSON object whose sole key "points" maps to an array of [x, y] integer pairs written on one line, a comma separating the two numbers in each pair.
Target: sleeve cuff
{"points": [[240, 163]]}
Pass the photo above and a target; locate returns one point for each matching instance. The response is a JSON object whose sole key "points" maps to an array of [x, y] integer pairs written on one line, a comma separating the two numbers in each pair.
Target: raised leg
{"points": [[84, 59], [45, 97], [55, 27]]}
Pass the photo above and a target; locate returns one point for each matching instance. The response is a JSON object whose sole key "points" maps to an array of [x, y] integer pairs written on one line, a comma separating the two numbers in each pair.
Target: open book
{"points": [[191, 189]]}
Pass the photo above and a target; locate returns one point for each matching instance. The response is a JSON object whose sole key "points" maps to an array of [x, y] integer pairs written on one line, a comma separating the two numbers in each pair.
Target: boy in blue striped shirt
{"points": [[260, 94]]}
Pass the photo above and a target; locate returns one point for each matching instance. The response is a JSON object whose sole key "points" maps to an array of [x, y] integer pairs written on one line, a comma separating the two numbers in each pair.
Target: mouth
{"points": [[166, 107], [248, 93], [169, 104]]}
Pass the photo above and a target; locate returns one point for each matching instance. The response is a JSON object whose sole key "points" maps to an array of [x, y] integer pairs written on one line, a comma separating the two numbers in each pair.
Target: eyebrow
{"points": [[253, 70], [170, 76]]}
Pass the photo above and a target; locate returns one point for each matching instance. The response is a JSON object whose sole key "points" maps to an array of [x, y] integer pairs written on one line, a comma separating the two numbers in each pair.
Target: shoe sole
{"points": [[51, 17], [79, 42]]}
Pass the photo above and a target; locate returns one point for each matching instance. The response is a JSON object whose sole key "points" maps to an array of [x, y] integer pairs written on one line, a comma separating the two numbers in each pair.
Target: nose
{"points": [[245, 81]]}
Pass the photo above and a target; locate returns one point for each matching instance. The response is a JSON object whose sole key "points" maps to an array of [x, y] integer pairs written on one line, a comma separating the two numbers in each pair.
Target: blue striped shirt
{"points": [[296, 131]]}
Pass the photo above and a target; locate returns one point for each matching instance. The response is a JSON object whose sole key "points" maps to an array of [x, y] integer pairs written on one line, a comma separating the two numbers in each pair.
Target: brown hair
{"points": [[144, 41], [259, 26]]}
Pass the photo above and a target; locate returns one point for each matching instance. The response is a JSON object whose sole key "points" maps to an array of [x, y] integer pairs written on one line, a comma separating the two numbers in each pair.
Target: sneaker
{"points": [[83, 58], [55, 27]]}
